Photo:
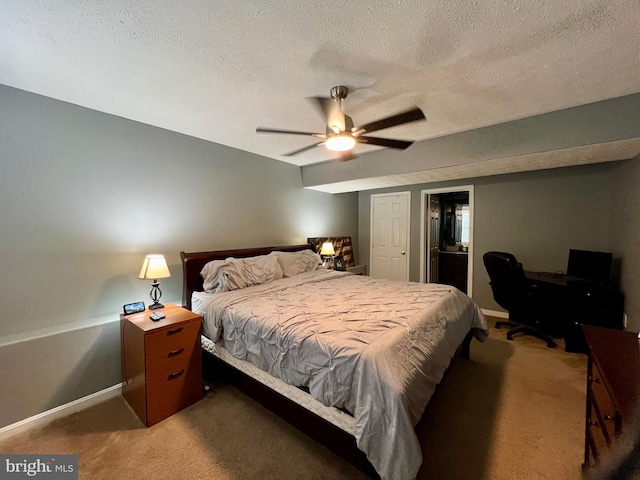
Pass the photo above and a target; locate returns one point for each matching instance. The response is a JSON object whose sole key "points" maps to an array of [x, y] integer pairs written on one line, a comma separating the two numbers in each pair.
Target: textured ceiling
{"points": [[218, 69]]}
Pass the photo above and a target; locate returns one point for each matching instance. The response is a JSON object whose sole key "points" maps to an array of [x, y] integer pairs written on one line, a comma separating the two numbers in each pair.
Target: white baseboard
{"points": [[495, 313], [59, 412]]}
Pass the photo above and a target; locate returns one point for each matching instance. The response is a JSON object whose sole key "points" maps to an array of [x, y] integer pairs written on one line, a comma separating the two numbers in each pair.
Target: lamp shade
{"points": [[154, 267], [327, 249]]}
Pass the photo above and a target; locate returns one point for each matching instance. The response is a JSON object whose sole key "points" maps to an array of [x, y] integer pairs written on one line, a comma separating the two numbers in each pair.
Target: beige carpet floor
{"points": [[514, 411]]}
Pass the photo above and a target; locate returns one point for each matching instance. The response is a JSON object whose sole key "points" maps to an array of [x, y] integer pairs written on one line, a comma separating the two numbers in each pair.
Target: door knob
{"points": [[403, 252]]}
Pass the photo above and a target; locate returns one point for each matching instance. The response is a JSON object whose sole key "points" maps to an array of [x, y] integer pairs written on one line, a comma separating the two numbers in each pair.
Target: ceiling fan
{"points": [[341, 135]]}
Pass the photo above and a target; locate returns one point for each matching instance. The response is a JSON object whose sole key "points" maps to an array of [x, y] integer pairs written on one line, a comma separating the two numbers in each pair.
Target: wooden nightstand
{"points": [[161, 362], [358, 269]]}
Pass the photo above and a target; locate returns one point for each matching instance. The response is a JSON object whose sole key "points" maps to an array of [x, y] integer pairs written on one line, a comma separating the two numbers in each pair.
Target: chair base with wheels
{"points": [[527, 330], [507, 324]]}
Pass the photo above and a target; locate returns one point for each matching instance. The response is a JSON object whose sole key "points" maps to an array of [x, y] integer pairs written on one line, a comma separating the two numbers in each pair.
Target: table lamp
{"points": [[327, 252], [154, 267]]}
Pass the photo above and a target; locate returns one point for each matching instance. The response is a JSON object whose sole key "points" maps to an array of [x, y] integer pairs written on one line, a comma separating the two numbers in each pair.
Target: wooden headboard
{"points": [[192, 264]]}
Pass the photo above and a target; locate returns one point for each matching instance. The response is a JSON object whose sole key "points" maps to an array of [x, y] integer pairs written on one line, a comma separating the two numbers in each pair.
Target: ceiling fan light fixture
{"points": [[340, 143]]}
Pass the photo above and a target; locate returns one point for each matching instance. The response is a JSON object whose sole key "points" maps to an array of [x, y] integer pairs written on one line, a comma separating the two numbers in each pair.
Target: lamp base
{"points": [[155, 295]]}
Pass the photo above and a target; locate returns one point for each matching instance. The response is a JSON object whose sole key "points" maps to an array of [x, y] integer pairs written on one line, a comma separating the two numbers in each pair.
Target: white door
{"points": [[390, 222]]}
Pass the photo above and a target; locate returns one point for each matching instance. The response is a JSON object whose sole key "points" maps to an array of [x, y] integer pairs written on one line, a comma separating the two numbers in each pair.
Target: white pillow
{"points": [[209, 274], [294, 263], [235, 273]]}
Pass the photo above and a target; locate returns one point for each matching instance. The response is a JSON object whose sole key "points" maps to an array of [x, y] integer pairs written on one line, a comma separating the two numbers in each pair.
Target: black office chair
{"points": [[513, 292]]}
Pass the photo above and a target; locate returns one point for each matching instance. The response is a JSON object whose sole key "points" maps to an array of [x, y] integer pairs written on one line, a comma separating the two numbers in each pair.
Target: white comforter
{"points": [[375, 347]]}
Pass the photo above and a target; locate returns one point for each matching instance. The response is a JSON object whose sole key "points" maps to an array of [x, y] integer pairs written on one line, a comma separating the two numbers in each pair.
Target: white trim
{"points": [[494, 313], [424, 225], [59, 412]]}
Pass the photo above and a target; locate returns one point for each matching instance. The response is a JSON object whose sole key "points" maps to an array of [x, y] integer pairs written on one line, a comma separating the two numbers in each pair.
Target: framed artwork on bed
{"points": [[338, 263]]}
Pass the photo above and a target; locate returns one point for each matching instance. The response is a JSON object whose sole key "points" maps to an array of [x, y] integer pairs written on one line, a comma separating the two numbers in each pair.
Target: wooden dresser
{"points": [[161, 362], [613, 386]]}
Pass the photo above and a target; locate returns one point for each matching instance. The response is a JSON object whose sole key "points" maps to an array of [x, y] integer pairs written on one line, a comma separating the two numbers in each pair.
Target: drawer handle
{"points": [[174, 331], [594, 379], [176, 374], [175, 352], [594, 423], [608, 417]]}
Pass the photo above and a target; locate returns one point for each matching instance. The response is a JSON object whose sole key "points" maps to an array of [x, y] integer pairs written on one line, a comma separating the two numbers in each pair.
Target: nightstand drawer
{"points": [[170, 361], [172, 392], [602, 404], [167, 340], [599, 443]]}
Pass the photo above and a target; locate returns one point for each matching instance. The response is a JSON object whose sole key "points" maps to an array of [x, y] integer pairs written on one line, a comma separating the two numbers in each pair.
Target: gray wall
{"points": [[84, 196], [625, 234], [539, 216]]}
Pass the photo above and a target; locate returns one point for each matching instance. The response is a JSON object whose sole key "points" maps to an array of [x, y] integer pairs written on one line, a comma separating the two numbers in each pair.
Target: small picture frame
{"points": [[338, 263]]}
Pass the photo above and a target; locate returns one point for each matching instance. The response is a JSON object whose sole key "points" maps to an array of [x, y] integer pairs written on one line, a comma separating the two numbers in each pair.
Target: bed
{"points": [[362, 355]]}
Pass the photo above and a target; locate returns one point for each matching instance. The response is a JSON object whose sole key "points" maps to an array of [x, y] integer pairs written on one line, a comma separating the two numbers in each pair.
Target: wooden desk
{"points": [[556, 279], [613, 387], [572, 301]]}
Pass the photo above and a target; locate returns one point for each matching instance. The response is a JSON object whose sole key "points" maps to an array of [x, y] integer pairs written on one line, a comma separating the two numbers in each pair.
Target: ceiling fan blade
{"points": [[303, 149], [292, 132], [400, 119], [384, 142]]}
